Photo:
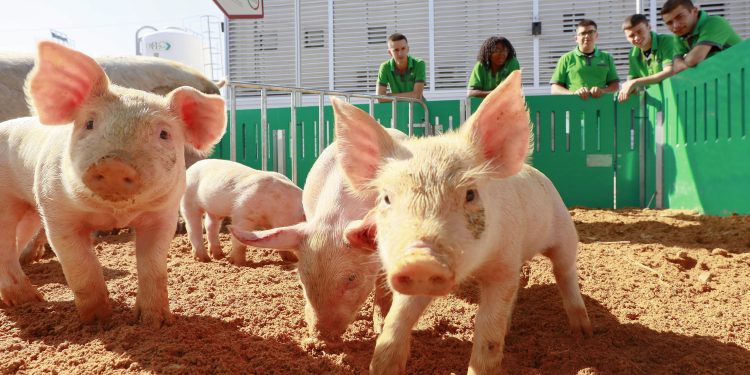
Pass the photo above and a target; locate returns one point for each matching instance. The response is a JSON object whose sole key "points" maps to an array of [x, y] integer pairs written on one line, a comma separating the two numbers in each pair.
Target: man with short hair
{"points": [[650, 58], [585, 71], [699, 36], [403, 74]]}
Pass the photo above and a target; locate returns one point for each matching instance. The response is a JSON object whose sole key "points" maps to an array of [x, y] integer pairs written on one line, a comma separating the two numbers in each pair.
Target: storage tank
{"points": [[174, 44]]}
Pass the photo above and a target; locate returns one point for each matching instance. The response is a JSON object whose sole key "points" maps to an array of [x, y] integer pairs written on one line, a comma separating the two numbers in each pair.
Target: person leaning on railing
{"points": [[403, 74], [650, 58], [698, 35], [495, 61], [585, 71]]}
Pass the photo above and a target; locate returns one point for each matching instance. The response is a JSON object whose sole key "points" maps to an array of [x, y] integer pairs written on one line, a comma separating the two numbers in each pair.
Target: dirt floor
{"points": [[668, 292]]}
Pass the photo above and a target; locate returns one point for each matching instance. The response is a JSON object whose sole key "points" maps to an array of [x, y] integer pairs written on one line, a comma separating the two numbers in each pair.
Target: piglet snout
{"points": [[113, 179], [420, 273]]}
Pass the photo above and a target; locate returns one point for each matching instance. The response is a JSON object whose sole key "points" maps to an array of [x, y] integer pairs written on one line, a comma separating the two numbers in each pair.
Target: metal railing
{"points": [[295, 96]]}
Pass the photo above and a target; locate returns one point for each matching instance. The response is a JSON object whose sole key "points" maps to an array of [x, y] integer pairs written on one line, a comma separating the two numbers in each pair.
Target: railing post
{"points": [[321, 124], [411, 119], [232, 123], [263, 129], [293, 135], [394, 113]]}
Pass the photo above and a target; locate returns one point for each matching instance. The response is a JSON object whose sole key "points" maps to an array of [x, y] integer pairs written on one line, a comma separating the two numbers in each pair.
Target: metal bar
{"points": [[321, 124], [232, 123], [325, 92], [642, 150], [372, 107], [411, 119], [394, 114], [263, 129], [293, 136]]}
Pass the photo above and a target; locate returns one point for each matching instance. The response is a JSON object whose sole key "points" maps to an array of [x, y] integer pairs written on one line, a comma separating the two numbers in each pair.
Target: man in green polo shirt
{"points": [[699, 36], [585, 71], [650, 58], [403, 74]]}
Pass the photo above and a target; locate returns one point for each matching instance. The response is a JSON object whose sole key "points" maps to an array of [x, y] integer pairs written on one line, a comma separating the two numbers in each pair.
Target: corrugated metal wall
{"points": [[342, 43]]}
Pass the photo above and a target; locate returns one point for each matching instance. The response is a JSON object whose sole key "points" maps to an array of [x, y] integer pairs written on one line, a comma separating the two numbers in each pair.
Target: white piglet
{"points": [[97, 156], [457, 206], [253, 199], [336, 277]]}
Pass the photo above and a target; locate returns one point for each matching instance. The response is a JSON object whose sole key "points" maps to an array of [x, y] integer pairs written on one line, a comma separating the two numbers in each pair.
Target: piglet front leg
{"points": [[491, 324], [73, 246], [393, 344], [154, 233]]}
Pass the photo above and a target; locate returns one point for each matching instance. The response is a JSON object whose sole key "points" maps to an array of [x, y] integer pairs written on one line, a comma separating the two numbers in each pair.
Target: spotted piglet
{"points": [[457, 206]]}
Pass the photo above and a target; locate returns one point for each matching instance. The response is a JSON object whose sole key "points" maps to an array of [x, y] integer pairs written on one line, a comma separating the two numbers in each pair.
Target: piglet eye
{"points": [[164, 134], [386, 199], [470, 195], [352, 277], [90, 124]]}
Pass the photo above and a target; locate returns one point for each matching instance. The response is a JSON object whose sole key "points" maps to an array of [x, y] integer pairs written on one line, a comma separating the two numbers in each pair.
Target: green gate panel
{"points": [[706, 147], [574, 146]]}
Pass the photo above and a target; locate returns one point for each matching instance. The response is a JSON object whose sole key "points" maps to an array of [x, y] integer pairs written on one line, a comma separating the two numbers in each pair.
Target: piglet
{"points": [[457, 206], [253, 200], [336, 276], [97, 156]]}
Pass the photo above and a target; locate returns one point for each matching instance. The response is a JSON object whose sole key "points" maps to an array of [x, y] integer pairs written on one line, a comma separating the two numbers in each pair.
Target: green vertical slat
{"points": [[628, 138]]}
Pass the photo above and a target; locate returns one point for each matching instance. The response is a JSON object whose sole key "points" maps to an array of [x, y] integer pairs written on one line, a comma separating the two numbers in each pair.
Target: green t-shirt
{"points": [[712, 31], [388, 75], [662, 51], [575, 70], [482, 78]]}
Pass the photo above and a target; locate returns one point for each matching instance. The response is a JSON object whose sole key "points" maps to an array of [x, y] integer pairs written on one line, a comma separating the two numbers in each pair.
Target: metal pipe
{"points": [[232, 123], [321, 124], [293, 136], [263, 129], [394, 114], [411, 119]]}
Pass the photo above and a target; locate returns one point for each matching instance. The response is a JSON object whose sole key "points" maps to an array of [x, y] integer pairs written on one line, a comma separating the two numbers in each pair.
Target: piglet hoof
{"points": [[237, 261], [20, 293], [201, 256], [580, 325], [94, 311], [389, 358], [216, 252], [382, 368], [153, 317]]}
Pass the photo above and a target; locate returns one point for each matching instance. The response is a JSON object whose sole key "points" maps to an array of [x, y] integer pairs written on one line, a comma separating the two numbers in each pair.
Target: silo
{"points": [[174, 44]]}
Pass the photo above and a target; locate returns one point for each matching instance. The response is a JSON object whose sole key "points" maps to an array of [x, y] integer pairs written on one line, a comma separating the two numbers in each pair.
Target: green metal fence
{"points": [[682, 144], [706, 148]]}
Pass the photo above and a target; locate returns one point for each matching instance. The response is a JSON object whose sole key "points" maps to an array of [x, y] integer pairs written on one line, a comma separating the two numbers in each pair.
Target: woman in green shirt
{"points": [[495, 60]]}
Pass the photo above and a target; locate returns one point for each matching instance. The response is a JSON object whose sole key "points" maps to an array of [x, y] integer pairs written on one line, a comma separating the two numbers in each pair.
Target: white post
{"points": [[535, 43]]}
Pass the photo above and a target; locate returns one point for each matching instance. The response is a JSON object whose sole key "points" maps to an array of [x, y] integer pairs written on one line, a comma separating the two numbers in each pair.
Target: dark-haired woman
{"points": [[495, 61]]}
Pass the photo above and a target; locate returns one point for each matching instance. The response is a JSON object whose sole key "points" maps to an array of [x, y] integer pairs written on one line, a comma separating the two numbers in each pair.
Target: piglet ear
{"points": [[361, 143], [204, 116], [283, 238], [61, 81], [362, 234], [500, 127]]}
